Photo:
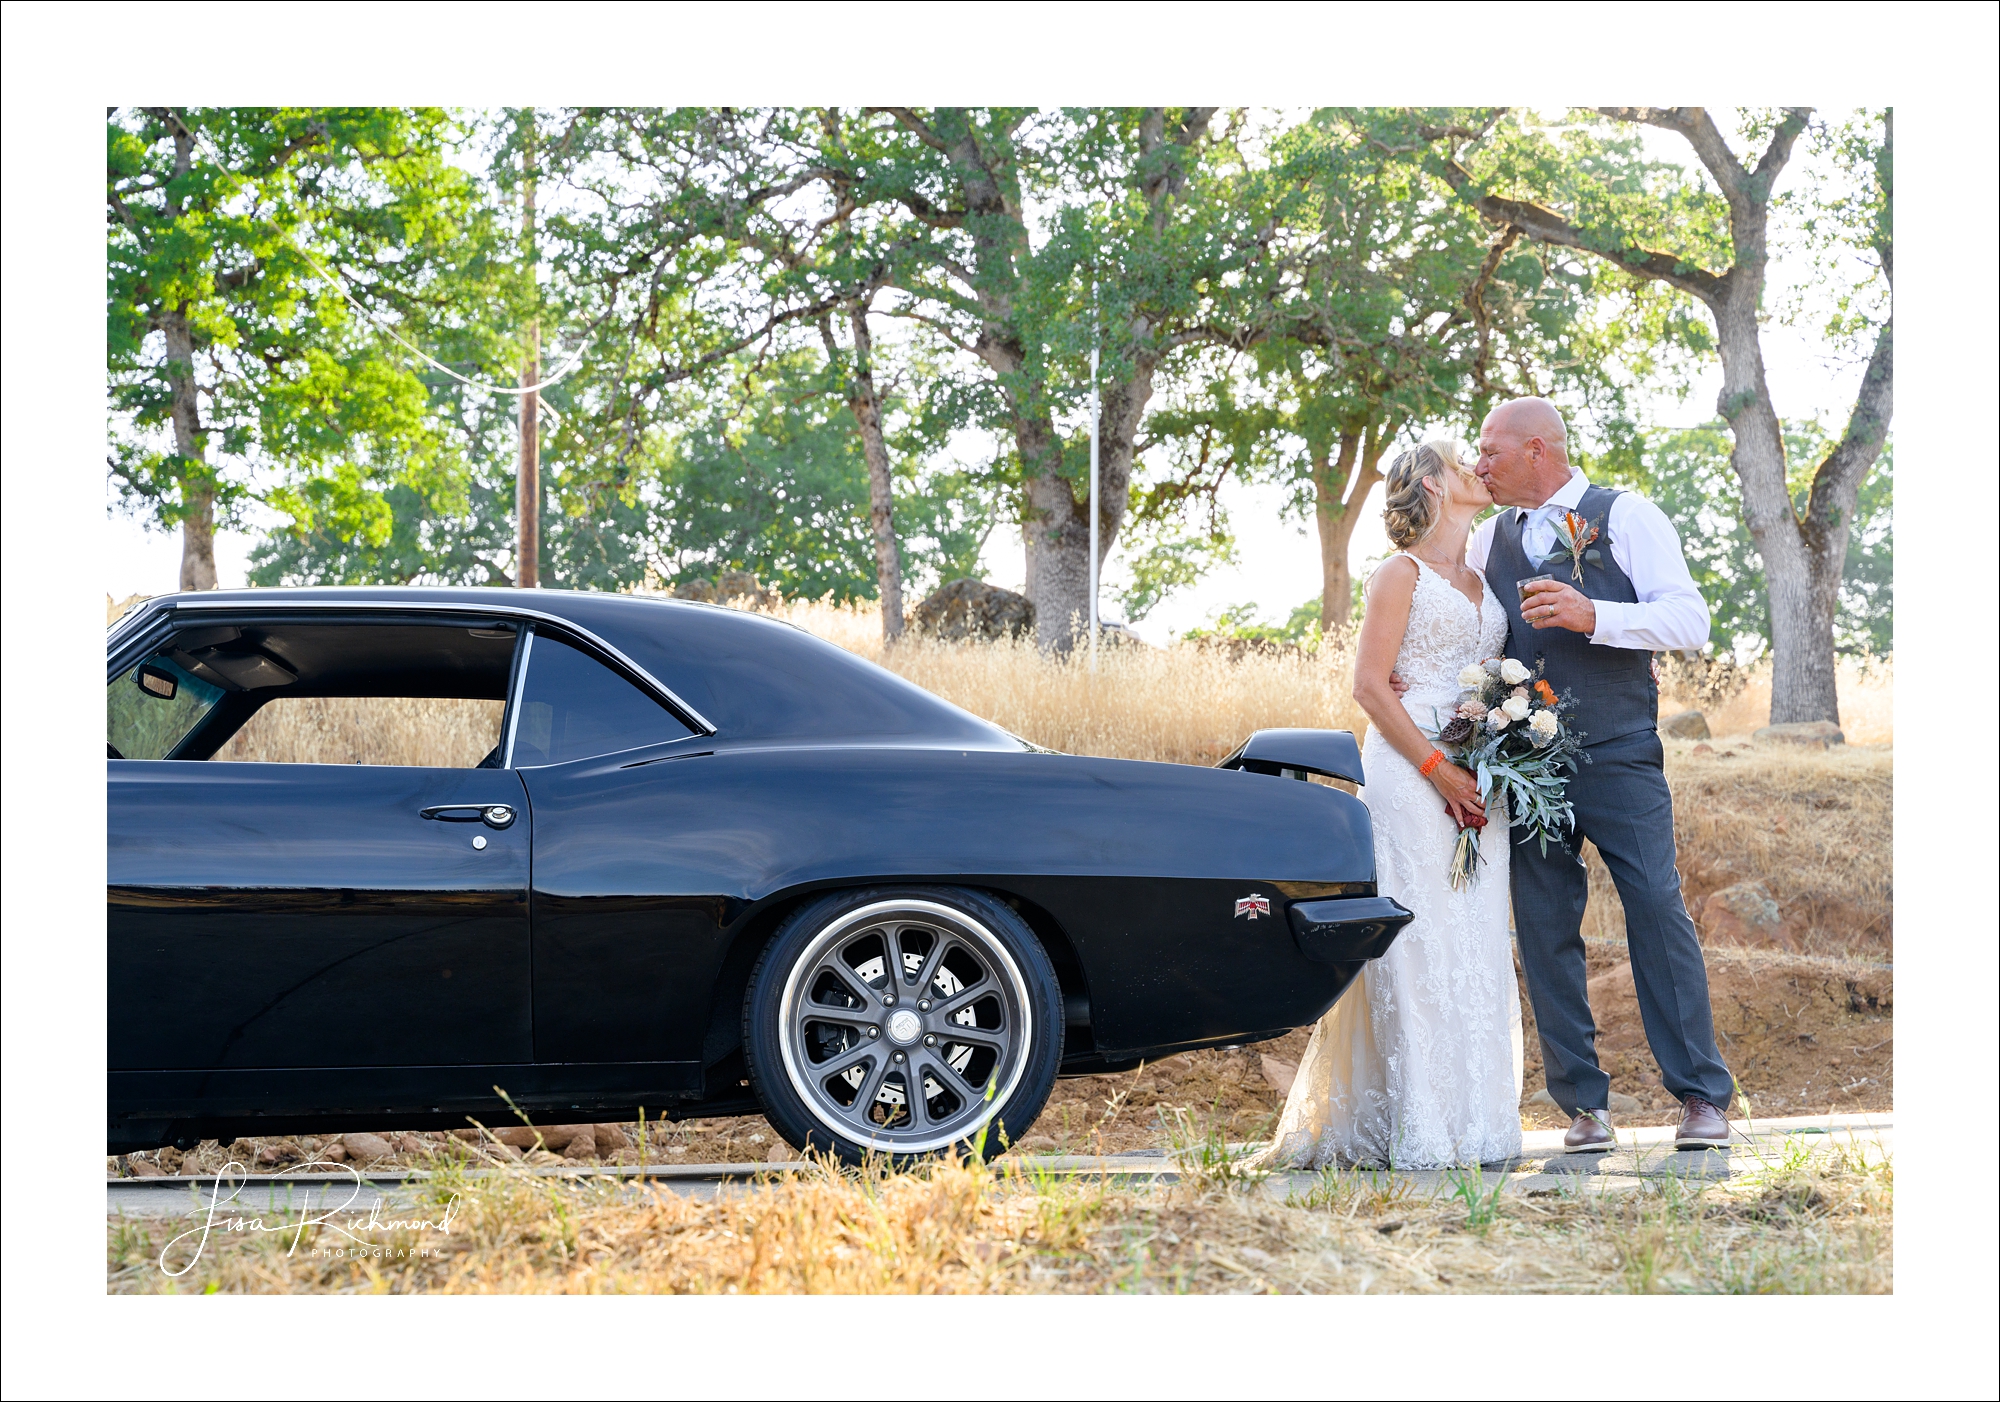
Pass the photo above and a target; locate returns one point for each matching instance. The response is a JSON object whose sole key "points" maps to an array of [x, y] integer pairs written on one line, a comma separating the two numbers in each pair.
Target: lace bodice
{"points": [[1445, 632]]}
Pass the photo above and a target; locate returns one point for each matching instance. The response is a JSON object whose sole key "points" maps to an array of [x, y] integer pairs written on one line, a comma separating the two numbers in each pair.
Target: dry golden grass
{"points": [[1185, 705], [1867, 703], [437, 734], [1801, 1225]]}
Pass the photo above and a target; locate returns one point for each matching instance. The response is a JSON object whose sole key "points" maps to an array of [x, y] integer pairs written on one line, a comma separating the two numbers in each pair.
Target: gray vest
{"points": [[1613, 686]]}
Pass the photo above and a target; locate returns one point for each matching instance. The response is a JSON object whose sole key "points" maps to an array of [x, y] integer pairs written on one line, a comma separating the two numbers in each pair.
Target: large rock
{"points": [[1279, 1074], [612, 1139], [738, 588], [974, 609], [366, 1148], [1745, 914], [1814, 734], [555, 1138], [1685, 725]]}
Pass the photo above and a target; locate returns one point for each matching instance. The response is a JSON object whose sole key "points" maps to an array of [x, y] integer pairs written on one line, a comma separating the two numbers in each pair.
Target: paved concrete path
{"points": [[1649, 1153], [1543, 1167]]}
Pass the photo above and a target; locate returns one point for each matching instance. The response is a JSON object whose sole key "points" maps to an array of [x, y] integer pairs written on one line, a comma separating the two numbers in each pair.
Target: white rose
{"points": [[1498, 720], [1543, 726], [1473, 677], [1516, 707], [1493, 666], [1512, 672]]}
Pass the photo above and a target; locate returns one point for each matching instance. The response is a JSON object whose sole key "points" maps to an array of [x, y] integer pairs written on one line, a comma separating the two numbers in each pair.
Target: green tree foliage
{"points": [[1244, 623], [985, 230], [1388, 306], [773, 480], [1274, 303], [762, 471], [236, 368]]}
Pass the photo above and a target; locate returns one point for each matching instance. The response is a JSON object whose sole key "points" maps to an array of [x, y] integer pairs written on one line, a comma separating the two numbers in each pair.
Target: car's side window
{"points": [[426, 732], [407, 692], [572, 707], [151, 708]]}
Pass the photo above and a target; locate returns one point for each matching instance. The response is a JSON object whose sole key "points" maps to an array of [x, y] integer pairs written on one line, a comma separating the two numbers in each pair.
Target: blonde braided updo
{"points": [[1410, 512]]}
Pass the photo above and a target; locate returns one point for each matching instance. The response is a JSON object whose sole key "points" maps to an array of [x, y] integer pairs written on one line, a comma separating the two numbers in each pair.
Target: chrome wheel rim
{"points": [[905, 1026]]}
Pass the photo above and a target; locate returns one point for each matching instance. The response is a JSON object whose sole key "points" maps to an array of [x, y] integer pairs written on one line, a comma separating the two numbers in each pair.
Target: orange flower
{"points": [[1545, 691]]}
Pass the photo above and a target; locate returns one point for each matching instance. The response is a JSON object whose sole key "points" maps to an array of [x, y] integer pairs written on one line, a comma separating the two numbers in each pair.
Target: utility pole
{"points": [[1094, 414], [528, 481]]}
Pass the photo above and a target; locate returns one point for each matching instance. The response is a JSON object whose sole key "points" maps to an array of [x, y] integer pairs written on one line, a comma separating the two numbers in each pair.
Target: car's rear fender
{"points": [[648, 878]]}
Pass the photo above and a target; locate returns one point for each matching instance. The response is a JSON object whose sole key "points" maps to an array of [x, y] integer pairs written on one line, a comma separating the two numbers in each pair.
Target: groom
{"points": [[1596, 641]]}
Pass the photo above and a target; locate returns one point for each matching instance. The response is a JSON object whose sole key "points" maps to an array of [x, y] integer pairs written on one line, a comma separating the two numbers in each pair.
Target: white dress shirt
{"points": [[1670, 615]]}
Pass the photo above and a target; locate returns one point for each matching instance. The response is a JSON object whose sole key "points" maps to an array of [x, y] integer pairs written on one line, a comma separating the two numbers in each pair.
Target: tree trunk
{"points": [[1057, 531], [197, 491], [1341, 484], [528, 480], [866, 402], [197, 537], [1803, 598]]}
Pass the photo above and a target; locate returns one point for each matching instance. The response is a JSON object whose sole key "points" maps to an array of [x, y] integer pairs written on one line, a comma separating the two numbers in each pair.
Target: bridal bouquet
{"points": [[1509, 731]]}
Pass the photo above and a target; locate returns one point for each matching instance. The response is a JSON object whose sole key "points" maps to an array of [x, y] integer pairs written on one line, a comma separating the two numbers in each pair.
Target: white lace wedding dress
{"points": [[1419, 1063]]}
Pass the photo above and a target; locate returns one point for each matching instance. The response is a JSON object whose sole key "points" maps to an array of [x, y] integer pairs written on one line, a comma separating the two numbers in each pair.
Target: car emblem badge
{"points": [[1253, 906]]}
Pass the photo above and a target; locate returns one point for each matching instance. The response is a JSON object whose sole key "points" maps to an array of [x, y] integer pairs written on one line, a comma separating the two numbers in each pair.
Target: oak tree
{"points": [[247, 250], [1711, 242]]}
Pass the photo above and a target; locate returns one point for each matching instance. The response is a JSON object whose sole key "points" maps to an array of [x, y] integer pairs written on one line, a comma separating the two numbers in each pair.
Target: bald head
{"points": [[1524, 452]]}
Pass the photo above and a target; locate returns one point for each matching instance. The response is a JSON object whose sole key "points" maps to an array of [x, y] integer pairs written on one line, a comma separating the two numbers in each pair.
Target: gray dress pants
{"points": [[1623, 806]]}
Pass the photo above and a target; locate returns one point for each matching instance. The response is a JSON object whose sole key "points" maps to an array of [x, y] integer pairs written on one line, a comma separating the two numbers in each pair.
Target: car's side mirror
{"points": [[157, 682]]}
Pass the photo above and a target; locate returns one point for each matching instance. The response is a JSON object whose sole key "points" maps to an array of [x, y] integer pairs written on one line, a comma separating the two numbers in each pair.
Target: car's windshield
{"points": [[151, 708]]}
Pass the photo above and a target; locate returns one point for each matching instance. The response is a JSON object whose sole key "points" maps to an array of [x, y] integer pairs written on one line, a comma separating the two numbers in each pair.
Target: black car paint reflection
{"points": [[295, 947]]}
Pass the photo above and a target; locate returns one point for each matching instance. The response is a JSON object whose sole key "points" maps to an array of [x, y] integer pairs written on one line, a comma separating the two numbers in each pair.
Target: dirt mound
{"points": [[1801, 1035]]}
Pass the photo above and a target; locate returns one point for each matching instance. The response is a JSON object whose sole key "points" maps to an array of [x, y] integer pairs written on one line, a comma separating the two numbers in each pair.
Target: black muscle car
{"points": [[710, 864]]}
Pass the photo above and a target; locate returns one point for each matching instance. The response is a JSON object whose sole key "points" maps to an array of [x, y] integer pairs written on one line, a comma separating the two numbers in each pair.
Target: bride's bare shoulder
{"points": [[1395, 577]]}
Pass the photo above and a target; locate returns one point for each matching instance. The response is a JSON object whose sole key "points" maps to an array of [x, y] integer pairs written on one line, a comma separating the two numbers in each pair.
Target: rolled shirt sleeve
{"points": [[1670, 614]]}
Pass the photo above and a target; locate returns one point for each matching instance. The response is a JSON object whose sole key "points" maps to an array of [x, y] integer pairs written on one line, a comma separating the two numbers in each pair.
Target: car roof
{"points": [[750, 676]]}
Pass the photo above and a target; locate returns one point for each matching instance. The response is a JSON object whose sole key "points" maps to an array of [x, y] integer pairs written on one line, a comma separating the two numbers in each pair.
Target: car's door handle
{"points": [[494, 815]]}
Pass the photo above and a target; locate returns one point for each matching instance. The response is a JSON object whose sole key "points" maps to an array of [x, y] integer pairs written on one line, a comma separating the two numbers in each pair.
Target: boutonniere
{"points": [[1573, 537]]}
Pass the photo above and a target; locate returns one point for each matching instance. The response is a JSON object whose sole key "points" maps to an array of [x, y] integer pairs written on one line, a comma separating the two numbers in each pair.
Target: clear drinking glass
{"points": [[1532, 579]]}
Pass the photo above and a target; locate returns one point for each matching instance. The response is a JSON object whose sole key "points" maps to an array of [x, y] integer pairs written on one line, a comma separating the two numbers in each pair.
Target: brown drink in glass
{"points": [[1532, 579]]}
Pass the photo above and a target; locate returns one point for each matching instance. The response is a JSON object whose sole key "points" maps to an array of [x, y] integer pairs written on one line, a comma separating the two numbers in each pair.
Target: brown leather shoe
{"points": [[1702, 1126], [1590, 1133]]}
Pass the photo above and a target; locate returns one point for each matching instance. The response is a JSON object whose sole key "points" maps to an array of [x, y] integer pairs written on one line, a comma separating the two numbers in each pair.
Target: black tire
{"points": [[980, 975]]}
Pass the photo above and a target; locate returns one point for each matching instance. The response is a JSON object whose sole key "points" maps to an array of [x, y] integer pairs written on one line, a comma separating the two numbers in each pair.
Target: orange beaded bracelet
{"points": [[1437, 758]]}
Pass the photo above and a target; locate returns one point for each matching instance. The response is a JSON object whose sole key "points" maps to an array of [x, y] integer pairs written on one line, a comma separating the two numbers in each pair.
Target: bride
{"points": [[1419, 1065]]}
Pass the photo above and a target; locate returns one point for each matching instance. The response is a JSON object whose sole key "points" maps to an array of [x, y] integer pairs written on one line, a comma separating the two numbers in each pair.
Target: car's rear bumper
{"points": [[1345, 929]]}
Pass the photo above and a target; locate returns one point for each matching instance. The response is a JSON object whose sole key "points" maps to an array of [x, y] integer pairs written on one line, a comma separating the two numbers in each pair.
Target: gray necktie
{"points": [[1538, 533]]}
